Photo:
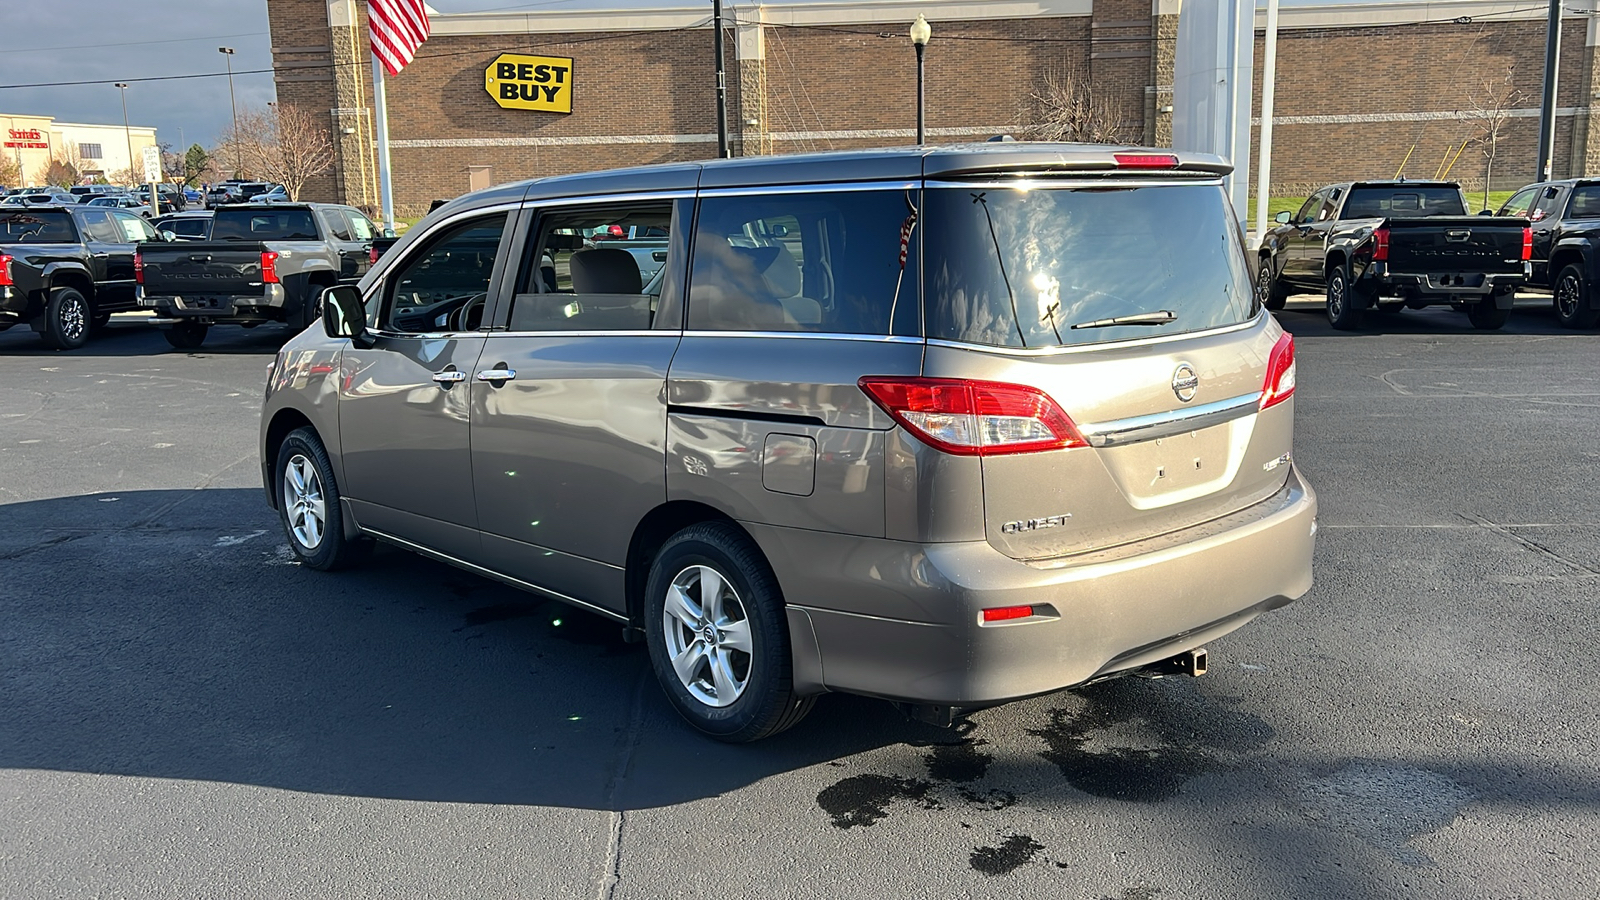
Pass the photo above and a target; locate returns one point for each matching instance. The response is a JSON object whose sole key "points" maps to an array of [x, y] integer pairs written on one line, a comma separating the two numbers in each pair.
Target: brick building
{"points": [[1362, 88]]}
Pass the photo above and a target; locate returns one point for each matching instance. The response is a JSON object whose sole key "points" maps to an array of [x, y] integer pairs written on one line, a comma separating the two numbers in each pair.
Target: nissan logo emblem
{"points": [[1185, 382]]}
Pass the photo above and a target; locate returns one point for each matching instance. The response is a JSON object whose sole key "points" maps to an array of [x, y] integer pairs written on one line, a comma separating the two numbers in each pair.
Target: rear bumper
{"points": [[902, 621], [266, 306], [1451, 283]]}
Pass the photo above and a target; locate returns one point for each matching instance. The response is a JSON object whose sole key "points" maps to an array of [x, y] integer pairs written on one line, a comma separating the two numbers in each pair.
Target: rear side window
{"points": [[263, 225], [836, 262], [1403, 202], [1048, 268], [37, 228], [573, 281]]}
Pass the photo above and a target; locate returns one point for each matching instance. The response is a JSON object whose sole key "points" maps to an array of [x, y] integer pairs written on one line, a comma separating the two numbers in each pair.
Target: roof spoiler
{"points": [[1043, 161]]}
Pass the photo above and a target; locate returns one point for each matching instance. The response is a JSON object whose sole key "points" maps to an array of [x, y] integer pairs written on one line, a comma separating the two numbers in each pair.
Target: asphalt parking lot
{"points": [[184, 712]]}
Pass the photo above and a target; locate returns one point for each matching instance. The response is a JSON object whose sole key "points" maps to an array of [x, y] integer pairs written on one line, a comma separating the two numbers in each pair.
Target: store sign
{"points": [[542, 83], [26, 139]]}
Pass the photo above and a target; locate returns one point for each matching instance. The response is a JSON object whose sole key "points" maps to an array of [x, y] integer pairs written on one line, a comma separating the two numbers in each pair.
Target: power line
{"points": [[213, 37]]}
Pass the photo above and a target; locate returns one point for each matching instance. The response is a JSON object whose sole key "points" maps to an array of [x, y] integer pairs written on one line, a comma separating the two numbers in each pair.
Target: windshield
{"points": [[1403, 202], [263, 225], [37, 228], [1015, 268]]}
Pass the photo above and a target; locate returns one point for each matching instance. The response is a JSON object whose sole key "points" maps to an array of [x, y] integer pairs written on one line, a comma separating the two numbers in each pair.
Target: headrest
{"points": [[776, 264], [605, 270]]}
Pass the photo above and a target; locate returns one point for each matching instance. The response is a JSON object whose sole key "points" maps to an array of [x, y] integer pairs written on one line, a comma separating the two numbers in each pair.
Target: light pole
{"points": [[238, 151], [126, 131], [920, 32]]}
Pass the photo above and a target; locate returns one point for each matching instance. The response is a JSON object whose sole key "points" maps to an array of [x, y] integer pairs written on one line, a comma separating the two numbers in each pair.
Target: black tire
{"points": [[186, 335], [101, 320], [764, 703], [1574, 307], [1485, 315], [308, 504], [1345, 305], [310, 309], [68, 319], [1269, 290]]}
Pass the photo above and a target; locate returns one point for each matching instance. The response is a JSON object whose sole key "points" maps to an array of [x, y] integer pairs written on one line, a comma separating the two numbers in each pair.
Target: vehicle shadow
{"points": [[133, 336], [1305, 315]]}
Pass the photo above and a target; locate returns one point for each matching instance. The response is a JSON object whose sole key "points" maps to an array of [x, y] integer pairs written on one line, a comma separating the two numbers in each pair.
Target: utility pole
{"points": [[1547, 110], [126, 131], [722, 82], [238, 149]]}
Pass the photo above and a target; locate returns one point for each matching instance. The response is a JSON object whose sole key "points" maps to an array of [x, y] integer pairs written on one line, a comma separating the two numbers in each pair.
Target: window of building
{"points": [[90, 151]]}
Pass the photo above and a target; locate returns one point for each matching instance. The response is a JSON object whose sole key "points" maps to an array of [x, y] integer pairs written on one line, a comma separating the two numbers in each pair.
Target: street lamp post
{"points": [[126, 131], [238, 151], [921, 31]]}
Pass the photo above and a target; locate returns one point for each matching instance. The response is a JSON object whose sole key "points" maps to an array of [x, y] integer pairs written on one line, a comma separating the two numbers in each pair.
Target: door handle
{"points": [[497, 375], [449, 376]]}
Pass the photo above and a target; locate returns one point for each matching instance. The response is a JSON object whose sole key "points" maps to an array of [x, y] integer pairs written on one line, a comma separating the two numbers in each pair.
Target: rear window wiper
{"points": [[1159, 317]]}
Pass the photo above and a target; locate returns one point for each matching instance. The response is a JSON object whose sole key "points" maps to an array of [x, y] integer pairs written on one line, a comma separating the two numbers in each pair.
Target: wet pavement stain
{"points": [[864, 799], [1015, 852], [963, 763]]}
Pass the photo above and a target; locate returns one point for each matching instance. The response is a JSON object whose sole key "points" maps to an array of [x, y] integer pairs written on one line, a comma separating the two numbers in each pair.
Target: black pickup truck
{"points": [[65, 269], [263, 263], [1566, 245], [1406, 242]]}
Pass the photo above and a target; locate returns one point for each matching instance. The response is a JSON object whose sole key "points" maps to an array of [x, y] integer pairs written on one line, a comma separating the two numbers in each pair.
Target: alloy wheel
{"points": [[304, 503], [1335, 295], [707, 636], [1567, 297], [74, 319], [1264, 284]]}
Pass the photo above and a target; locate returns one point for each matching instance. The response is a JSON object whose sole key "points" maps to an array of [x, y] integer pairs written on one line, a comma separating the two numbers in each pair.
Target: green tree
{"points": [[195, 163]]}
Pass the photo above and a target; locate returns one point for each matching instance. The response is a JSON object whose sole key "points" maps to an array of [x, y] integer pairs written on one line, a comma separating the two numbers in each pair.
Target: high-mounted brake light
{"points": [[1527, 244], [269, 268], [974, 418], [1279, 385], [1006, 613], [5, 271], [1145, 160], [1380, 244], [138, 267]]}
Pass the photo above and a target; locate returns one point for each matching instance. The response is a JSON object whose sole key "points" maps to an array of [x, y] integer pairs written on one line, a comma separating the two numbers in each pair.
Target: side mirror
{"points": [[388, 232], [1485, 212], [1283, 218], [345, 315], [168, 236]]}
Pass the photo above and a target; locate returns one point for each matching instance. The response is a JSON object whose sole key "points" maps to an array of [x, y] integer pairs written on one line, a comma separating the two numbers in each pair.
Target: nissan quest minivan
{"points": [[947, 426]]}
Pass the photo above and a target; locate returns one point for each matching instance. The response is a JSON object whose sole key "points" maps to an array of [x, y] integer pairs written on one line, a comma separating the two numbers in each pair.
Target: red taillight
{"points": [[1003, 613], [975, 418], [372, 255], [1279, 385], [138, 267], [1145, 160], [269, 268], [1527, 244], [1380, 245], [5, 271]]}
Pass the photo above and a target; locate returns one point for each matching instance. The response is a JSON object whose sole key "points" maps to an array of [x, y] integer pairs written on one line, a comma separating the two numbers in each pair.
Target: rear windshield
{"points": [[37, 228], [1403, 202], [263, 225], [1013, 268]]}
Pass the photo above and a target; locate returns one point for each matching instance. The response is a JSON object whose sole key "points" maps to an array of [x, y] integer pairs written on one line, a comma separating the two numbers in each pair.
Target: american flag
{"points": [[398, 28]]}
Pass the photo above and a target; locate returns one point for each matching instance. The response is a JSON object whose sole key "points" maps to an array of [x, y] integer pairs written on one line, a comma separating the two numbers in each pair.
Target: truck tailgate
{"points": [[1455, 244], [201, 268]]}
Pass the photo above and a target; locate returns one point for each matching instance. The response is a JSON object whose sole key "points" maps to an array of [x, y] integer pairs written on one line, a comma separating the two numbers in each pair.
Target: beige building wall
{"points": [[111, 142], [33, 141]]}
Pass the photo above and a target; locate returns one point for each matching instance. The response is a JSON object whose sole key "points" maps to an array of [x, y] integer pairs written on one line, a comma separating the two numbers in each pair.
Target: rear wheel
{"points": [[308, 504], [101, 320], [1272, 294], [186, 335], [1571, 299], [67, 319], [1485, 315], [310, 309], [1344, 306], [718, 635]]}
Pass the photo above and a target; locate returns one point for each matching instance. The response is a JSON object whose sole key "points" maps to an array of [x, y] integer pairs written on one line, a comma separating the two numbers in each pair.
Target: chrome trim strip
{"points": [[1132, 430], [807, 335], [1102, 345], [640, 332], [634, 197], [1074, 180], [827, 188], [490, 573]]}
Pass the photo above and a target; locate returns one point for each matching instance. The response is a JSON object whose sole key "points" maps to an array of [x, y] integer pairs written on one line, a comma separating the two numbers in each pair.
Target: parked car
{"points": [[276, 195], [261, 263], [171, 198], [1564, 238], [862, 436], [47, 197], [1408, 242], [87, 192], [65, 269], [121, 201], [192, 196], [193, 225]]}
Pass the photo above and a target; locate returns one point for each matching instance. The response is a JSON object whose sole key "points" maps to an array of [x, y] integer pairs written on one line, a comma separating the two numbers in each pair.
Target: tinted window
{"points": [[571, 282], [1010, 268], [445, 286], [825, 262], [1403, 202], [1519, 204], [263, 225], [1549, 203], [41, 227], [97, 226], [1308, 209], [1585, 202], [335, 223]]}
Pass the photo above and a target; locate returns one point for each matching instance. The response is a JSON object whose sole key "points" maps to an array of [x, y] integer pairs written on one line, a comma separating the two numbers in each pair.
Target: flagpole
{"points": [[381, 106]]}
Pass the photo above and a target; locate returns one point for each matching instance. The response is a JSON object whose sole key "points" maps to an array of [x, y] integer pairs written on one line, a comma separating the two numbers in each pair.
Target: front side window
{"points": [[580, 275], [835, 262], [97, 226], [445, 287], [1308, 209], [1519, 204], [1052, 267], [360, 225], [133, 228], [335, 223]]}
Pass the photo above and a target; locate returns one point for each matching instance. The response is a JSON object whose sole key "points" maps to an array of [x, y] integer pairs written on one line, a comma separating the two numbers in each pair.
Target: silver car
{"points": [[945, 426]]}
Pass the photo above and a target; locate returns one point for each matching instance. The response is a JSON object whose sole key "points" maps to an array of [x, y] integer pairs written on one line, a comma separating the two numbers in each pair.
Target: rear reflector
{"points": [[138, 267], [269, 268], [1527, 244], [974, 418], [1279, 385], [5, 271], [1380, 245], [1003, 613], [1145, 160]]}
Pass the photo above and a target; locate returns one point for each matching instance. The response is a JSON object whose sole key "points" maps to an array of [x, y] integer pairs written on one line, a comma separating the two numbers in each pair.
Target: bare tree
{"points": [[1066, 108], [284, 144], [65, 168], [1491, 105]]}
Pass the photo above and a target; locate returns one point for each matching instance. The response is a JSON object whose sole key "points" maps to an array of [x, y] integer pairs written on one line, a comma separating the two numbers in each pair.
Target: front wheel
{"points": [[186, 335], [1344, 308], [67, 320], [1272, 294], [1574, 308], [308, 504], [718, 635]]}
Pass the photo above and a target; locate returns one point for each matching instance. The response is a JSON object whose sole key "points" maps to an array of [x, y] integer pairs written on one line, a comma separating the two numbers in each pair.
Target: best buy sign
{"points": [[543, 83]]}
